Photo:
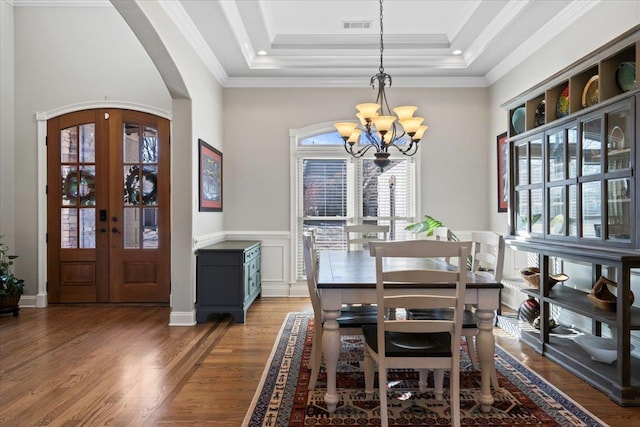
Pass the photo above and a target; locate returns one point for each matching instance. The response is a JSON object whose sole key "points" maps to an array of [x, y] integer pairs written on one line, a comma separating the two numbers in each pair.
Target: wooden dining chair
{"points": [[417, 344], [348, 320], [487, 257], [364, 234]]}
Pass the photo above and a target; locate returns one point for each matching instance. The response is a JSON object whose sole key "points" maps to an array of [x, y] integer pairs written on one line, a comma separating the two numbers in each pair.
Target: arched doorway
{"points": [[108, 207]]}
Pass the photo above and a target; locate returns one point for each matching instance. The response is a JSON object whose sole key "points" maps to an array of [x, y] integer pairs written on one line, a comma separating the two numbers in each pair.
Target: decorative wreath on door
{"points": [[132, 186], [80, 190]]}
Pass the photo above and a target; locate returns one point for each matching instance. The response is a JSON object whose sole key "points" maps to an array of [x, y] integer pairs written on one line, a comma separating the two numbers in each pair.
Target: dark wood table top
{"points": [[357, 269]]}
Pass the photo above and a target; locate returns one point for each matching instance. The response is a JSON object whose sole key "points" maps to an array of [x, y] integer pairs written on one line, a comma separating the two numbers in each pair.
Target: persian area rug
{"points": [[282, 399]]}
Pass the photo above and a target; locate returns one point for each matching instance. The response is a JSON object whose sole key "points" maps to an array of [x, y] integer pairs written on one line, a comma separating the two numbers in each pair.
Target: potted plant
{"points": [[427, 225], [11, 288]]}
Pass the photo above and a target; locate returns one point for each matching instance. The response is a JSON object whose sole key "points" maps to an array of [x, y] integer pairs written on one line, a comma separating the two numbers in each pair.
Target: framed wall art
{"points": [[503, 170], [210, 177]]}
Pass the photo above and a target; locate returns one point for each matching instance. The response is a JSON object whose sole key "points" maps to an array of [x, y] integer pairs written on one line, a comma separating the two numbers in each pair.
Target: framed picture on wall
{"points": [[503, 170], [210, 177]]}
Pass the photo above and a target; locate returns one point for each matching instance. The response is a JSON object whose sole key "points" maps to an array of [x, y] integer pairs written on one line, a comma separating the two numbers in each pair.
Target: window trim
{"points": [[354, 211]]}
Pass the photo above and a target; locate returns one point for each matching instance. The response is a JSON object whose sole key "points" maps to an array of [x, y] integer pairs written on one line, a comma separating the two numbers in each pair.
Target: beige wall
{"points": [[452, 154]]}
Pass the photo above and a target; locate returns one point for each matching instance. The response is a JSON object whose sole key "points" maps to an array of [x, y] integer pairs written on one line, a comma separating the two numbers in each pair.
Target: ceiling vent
{"points": [[356, 25]]}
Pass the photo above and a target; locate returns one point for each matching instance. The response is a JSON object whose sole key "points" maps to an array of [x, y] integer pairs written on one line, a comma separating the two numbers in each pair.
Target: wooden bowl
{"points": [[532, 276], [602, 297]]}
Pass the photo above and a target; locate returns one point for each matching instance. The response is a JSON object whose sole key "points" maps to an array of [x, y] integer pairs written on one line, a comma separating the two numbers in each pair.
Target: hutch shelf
{"points": [[573, 195]]}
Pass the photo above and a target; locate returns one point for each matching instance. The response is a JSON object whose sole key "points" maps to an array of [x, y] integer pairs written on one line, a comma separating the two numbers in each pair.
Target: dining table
{"points": [[349, 277]]}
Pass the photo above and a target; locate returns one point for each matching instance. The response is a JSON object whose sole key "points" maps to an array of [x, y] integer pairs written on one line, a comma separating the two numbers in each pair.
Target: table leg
{"points": [[330, 352], [485, 345]]}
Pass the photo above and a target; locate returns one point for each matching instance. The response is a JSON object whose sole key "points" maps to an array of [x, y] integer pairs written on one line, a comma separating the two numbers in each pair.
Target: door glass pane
{"points": [[69, 185], [150, 228], [131, 228], [68, 228], [536, 211], [522, 206], [536, 161], [88, 228], [591, 147], [573, 210], [556, 211], [522, 176], [618, 208], [572, 136], [149, 185], [131, 185], [87, 186], [140, 179], [591, 209], [618, 151], [131, 145], [556, 153], [69, 145], [150, 146], [87, 143]]}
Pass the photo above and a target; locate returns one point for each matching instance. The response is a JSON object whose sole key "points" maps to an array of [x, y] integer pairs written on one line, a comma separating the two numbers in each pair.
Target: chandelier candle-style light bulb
{"points": [[378, 127]]}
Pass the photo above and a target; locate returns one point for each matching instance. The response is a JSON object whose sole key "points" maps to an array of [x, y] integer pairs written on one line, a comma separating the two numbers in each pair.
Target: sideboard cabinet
{"points": [[228, 278], [574, 196]]}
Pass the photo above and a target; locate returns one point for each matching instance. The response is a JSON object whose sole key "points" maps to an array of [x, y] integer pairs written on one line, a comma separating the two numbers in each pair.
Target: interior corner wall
{"points": [[7, 183], [452, 154]]}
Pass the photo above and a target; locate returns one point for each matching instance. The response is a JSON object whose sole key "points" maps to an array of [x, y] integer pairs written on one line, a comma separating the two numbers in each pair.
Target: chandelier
{"points": [[378, 127]]}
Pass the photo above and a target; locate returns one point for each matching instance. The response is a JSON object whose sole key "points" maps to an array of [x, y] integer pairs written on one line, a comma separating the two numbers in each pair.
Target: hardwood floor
{"points": [[124, 366]]}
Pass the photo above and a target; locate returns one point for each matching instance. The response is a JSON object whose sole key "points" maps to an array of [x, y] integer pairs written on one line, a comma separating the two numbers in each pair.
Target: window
{"points": [[334, 189]]}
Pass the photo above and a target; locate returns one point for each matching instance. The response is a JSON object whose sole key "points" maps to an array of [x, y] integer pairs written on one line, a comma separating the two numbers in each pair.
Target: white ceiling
{"points": [[306, 42], [307, 45]]}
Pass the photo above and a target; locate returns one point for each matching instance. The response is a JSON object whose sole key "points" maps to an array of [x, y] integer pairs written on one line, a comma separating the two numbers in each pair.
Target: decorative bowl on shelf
{"points": [[602, 297], [562, 106], [532, 276], [626, 76], [590, 92], [599, 348], [518, 120], [553, 323]]}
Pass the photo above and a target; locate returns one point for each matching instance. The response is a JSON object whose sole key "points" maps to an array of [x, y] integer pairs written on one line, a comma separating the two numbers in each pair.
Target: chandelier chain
{"points": [[381, 69]]}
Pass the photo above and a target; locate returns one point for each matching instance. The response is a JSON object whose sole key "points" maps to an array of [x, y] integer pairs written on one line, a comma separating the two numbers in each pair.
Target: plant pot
{"points": [[9, 304]]}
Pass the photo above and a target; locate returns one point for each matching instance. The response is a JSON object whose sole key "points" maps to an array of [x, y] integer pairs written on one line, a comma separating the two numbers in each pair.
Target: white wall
{"points": [[7, 188]]}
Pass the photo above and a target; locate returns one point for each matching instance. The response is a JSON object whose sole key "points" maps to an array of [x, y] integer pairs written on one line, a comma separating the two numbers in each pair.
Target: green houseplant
{"points": [[427, 225], [11, 288]]}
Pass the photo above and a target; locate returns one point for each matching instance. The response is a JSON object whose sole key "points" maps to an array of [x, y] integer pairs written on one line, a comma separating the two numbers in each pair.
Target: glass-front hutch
{"points": [[574, 200]]}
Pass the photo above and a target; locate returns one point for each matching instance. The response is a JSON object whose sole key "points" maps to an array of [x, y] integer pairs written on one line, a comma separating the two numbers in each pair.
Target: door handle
{"points": [[103, 230], [114, 218], [114, 230]]}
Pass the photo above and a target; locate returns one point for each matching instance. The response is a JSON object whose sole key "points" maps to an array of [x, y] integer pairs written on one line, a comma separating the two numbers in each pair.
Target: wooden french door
{"points": [[108, 207]]}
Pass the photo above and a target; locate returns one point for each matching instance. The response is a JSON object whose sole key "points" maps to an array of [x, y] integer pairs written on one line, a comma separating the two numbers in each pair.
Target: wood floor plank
{"points": [[124, 366]]}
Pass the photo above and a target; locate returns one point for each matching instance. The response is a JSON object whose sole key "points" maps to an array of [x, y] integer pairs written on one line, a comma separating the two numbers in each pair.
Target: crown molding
{"points": [[551, 29], [185, 25], [60, 3]]}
